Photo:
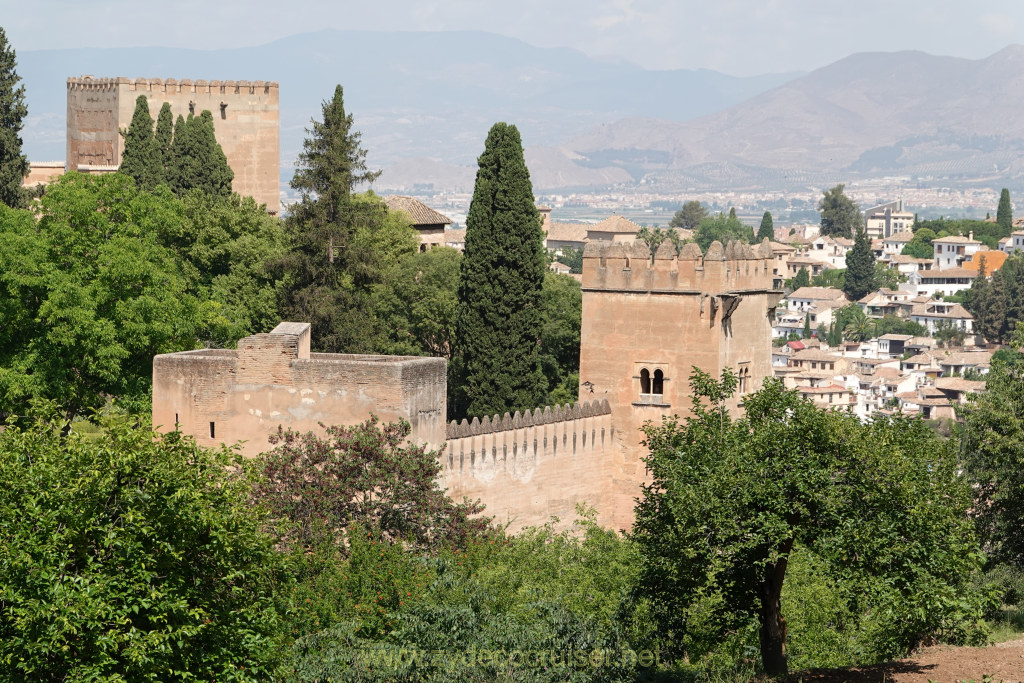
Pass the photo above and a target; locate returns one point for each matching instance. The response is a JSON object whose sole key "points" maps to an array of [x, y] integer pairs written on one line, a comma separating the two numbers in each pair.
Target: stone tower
{"points": [[245, 118], [647, 321]]}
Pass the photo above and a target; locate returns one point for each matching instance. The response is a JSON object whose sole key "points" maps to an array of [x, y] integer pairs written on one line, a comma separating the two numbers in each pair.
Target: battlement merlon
{"points": [[174, 86], [630, 267]]}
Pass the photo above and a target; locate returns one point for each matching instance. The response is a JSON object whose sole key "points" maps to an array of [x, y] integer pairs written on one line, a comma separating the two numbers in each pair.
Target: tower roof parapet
{"points": [[632, 267]]}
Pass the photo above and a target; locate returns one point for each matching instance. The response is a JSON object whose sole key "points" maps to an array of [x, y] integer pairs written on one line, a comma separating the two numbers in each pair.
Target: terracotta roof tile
{"points": [[420, 213]]}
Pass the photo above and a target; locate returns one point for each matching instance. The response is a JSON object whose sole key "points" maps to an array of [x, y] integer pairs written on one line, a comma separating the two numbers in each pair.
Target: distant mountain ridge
{"points": [[414, 95], [870, 114]]}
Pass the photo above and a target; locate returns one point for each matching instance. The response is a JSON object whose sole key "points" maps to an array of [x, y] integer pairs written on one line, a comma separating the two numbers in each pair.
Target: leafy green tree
{"points": [[992, 447], [653, 237], [689, 216], [921, 245], [840, 215], [830, 277], [860, 268], [801, 279], [882, 503], [149, 565], [893, 324], [417, 307], [90, 295], [497, 359], [722, 228], [988, 233], [766, 231], [141, 158], [164, 137], [1004, 213], [13, 163], [572, 258], [367, 475], [887, 276], [561, 301], [948, 333]]}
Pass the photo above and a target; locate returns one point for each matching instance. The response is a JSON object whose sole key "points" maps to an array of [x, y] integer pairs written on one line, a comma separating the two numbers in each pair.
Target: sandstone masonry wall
{"points": [[227, 396], [529, 467], [245, 117]]}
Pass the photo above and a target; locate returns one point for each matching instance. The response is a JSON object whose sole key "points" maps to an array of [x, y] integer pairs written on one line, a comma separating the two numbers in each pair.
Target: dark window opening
{"points": [[212, 432], [659, 383], [176, 420], [645, 381]]}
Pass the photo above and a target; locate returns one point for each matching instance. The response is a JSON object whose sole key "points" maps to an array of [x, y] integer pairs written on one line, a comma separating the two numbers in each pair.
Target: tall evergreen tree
{"points": [[199, 162], [141, 158], [860, 268], [767, 229], [13, 163], [164, 137], [499, 318], [322, 266], [1004, 214]]}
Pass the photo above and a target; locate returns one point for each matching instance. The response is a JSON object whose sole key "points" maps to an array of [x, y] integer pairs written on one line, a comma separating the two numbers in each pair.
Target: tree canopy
{"points": [[840, 215], [141, 158], [108, 275], [497, 355], [689, 216], [724, 228], [134, 558], [13, 162], [732, 499]]}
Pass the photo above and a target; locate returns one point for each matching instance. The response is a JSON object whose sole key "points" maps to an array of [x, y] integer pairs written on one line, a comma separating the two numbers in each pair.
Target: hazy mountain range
{"points": [[424, 102]]}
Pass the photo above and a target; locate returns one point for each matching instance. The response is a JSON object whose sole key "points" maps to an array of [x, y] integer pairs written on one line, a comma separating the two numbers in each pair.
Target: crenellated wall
{"points": [[245, 118], [529, 467]]}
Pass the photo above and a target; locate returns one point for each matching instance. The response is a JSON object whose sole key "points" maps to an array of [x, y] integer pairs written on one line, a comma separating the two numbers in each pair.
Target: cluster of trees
{"points": [[182, 154], [996, 302], [788, 529], [103, 275]]}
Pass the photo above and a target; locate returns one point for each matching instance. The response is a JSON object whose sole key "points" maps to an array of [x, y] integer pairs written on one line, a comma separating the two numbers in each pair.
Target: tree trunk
{"points": [[773, 625]]}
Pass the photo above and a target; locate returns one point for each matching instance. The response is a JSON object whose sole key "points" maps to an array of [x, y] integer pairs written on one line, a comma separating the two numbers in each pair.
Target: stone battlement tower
{"points": [[245, 116], [648, 320]]}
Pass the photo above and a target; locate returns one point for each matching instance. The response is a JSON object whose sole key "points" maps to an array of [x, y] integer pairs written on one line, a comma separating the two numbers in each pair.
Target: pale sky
{"points": [[737, 37]]}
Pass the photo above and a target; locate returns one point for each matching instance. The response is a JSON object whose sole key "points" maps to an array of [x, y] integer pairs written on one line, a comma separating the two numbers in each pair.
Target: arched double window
{"points": [[652, 386]]}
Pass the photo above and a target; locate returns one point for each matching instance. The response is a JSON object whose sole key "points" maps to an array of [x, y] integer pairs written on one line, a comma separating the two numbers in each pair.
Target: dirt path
{"points": [[941, 663]]}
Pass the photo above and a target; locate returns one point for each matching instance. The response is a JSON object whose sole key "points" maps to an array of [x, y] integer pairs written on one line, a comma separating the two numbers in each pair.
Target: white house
{"points": [[893, 244], [934, 312], [943, 282], [953, 250], [1015, 242]]}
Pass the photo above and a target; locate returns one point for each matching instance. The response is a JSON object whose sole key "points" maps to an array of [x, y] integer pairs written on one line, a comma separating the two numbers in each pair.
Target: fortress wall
{"points": [[247, 393], [247, 126], [526, 468]]}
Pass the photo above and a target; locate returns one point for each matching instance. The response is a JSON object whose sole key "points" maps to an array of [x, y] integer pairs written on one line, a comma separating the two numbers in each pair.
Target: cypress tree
{"points": [[498, 321], [215, 174], [860, 268], [164, 138], [807, 326], [13, 163], [173, 162], [197, 158], [141, 158], [1004, 213], [767, 229]]}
